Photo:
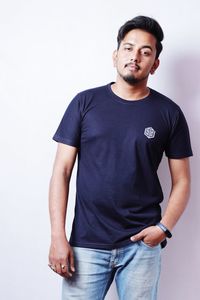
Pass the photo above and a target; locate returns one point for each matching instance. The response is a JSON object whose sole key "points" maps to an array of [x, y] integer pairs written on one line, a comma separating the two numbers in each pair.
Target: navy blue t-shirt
{"points": [[120, 145]]}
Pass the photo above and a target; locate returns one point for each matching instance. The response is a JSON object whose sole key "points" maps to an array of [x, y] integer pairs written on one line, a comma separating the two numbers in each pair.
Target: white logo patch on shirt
{"points": [[149, 132]]}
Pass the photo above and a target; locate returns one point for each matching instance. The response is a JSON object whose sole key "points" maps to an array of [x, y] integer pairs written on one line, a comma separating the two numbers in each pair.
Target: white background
{"points": [[49, 51]]}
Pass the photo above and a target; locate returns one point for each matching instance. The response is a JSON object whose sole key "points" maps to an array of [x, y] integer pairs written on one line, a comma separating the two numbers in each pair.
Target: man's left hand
{"points": [[152, 236]]}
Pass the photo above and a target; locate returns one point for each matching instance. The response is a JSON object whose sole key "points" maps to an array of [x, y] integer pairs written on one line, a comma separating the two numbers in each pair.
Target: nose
{"points": [[135, 57]]}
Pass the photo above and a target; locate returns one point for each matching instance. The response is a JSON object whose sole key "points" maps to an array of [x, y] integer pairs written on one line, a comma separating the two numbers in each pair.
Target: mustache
{"points": [[132, 64]]}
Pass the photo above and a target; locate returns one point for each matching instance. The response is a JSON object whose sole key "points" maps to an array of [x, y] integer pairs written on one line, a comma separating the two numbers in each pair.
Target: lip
{"points": [[132, 67]]}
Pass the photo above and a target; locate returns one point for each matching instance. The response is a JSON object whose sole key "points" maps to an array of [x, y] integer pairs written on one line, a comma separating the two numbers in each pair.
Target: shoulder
{"points": [[91, 97], [170, 111], [92, 91], [164, 101], [166, 106]]}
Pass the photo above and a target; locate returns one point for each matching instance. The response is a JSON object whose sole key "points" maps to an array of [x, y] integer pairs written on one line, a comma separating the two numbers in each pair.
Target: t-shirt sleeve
{"points": [[179, 145], [68, 131]]}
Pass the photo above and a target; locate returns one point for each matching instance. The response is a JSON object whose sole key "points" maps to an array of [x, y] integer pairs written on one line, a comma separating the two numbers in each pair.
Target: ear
{"points": [[155, 66], [114, 58]]}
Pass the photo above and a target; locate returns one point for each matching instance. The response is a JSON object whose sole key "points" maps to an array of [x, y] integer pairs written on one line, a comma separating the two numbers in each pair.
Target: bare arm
{"points": [[180, 175], [60, 251]]}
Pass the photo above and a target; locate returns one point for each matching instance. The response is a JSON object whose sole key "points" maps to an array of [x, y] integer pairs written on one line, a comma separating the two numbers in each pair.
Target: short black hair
{"points": [[145, 23]]}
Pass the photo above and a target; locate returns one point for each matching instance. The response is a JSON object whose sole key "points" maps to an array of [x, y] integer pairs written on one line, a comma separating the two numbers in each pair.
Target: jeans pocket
{"points": [[147, 246]]}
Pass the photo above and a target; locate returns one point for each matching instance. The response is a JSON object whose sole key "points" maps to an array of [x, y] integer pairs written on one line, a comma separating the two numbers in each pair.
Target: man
{"points": [[119, 132]]}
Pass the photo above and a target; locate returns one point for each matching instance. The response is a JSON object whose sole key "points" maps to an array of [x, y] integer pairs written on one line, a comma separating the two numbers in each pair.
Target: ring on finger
{"points": [[63, 267]]}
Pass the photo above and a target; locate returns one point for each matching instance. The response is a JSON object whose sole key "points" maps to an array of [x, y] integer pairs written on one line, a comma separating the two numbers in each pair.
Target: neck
{"points": [[130, 92]]}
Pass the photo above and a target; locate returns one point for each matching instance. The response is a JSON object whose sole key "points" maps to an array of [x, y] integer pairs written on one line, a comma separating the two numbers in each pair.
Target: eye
{"points": [[127, 48], [146, 53]]}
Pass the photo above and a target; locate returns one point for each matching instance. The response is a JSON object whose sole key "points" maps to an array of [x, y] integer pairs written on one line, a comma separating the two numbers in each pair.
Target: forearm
{"points": [[58, 197], [177, 203], [61, 257]]}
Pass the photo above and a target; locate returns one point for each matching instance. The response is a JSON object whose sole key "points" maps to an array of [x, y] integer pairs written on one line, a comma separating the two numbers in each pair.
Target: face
{"points": [[136, 57]]}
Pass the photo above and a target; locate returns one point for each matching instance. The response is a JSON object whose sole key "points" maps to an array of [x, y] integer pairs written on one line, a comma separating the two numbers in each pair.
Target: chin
{"points": [[131, 80]]}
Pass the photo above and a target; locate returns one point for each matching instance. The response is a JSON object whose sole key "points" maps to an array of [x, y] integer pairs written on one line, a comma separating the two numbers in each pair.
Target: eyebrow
{"points": [[144, 46]]}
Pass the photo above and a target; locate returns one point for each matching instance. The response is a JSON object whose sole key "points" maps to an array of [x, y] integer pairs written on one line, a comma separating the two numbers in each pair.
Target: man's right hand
{"points": [[61, 257]]}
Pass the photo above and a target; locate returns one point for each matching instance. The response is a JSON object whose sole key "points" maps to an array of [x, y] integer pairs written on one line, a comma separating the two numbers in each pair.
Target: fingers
{"points": [[71, 262], [63, 270], [137, 237], [63, 267], [53, 268], [150, 235]]}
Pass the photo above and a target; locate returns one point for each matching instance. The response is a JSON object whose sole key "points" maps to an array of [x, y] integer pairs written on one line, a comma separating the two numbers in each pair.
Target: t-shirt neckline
{"points": [[129, 102]]}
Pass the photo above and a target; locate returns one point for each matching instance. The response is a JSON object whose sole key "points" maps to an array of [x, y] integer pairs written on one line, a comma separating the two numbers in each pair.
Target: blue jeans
{"points": [[136, 269]]}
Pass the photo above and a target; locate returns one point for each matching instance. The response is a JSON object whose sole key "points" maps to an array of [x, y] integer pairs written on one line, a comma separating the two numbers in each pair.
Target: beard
{"points": [[131, 79]]}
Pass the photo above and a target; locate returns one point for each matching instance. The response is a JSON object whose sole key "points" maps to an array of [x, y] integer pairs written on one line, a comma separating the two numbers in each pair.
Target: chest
{"points": [[125, 125]]}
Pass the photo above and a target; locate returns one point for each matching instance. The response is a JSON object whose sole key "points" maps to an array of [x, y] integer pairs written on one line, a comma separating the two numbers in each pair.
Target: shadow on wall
{"points": [[184, 80], [181, 258], [185, 83]]}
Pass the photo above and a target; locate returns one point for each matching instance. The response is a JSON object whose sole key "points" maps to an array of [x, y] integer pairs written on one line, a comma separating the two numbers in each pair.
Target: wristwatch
{"points": [[165, 230]]}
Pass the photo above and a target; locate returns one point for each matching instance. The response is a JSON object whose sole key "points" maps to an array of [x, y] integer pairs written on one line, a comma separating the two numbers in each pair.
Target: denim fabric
{"points": [[135, 268]]}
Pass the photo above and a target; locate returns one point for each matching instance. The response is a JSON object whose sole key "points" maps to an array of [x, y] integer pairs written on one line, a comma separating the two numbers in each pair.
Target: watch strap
{"points": [[165, 230]]}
